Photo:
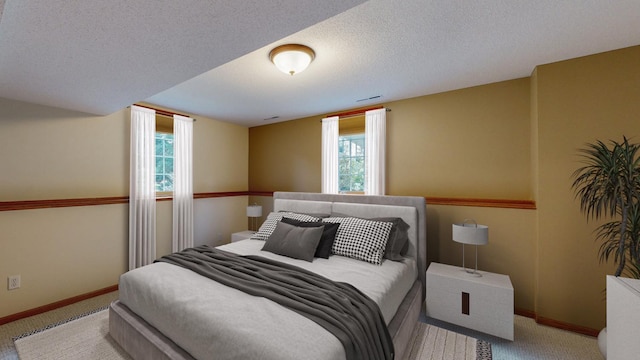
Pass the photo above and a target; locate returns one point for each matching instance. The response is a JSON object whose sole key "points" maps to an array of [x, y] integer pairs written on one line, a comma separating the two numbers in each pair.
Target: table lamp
{"points": [[469, 232], [254, 212]]}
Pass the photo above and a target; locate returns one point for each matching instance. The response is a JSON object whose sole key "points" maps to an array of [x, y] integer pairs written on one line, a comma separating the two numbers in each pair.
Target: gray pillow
{"points": [[328, 235], [398, 242], [295, 242], [273, 218]]}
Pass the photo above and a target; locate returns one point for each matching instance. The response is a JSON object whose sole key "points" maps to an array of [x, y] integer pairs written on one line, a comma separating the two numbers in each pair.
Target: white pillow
{"points": [[266, 229], [361, 239]]}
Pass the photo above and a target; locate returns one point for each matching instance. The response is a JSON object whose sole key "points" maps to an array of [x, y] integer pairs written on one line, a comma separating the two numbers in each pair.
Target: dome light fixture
{"points": [[292, 58]]}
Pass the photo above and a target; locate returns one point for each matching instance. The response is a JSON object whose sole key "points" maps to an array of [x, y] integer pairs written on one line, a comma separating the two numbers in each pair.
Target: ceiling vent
{"points": [[370, 98]]}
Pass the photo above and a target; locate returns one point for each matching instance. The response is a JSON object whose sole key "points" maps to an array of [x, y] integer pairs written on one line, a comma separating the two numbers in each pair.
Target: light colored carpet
{"points": [[532, 341], [13, 329], [87, 337], [84, 338], [433, 343]]}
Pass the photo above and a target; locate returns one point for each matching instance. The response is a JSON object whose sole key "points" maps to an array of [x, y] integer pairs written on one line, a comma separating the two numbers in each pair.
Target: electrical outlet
{"points": [[13, 282]]}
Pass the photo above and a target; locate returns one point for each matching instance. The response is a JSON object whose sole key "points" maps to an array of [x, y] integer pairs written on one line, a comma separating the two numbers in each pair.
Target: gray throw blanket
{"points": [[340, 308]]}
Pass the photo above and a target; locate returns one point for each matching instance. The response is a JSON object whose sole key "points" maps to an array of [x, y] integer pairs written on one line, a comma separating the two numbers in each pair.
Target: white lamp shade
{"points": [[254, 211], [471, 234]]}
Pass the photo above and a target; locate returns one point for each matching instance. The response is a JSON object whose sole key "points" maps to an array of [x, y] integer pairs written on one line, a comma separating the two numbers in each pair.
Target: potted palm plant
{"points": [[608, 186]]}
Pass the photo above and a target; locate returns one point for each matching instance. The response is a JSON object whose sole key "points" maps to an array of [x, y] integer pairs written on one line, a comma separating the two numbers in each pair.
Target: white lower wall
{"points": [[217, 218], [60, 253]]}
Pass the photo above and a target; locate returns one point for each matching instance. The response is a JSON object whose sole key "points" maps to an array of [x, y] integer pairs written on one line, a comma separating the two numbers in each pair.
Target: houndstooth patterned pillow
{"points": [[266, 229], [361, 239]]}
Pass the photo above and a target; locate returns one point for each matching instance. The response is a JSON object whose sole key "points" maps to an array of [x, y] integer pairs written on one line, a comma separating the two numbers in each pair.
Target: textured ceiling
{"points": [[99, 56], [210, 58]]}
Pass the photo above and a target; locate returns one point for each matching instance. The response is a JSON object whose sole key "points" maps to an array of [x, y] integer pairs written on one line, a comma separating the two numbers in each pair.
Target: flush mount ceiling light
{"points": [[292, 58]]}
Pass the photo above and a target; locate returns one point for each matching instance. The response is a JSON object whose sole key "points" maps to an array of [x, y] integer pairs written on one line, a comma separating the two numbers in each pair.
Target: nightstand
{"points": [[483, 303], [242, 235]]}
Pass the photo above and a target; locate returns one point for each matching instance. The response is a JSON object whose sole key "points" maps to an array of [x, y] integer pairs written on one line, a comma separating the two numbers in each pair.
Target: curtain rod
{"points": [[163, 112], [356, 112]]}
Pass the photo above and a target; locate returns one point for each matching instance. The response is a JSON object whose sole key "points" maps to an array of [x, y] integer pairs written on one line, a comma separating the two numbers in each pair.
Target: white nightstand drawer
{"points": [[487, 305]]}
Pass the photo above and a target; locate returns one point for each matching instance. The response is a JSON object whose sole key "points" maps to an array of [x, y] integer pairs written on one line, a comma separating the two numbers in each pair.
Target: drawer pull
{"points": [[465, 303]]}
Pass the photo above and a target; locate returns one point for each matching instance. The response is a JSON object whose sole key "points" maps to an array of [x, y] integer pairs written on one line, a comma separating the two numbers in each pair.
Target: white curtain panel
{"points": [[182, 183], [142, 193], [330, 134], [375, 133]]}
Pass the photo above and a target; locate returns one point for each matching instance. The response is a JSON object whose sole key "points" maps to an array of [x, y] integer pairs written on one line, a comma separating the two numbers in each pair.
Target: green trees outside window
{"points": [[351, 163], [164, 162]]}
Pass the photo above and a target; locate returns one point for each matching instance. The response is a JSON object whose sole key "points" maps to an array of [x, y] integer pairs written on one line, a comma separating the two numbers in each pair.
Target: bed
{"points": [[169, 312]]}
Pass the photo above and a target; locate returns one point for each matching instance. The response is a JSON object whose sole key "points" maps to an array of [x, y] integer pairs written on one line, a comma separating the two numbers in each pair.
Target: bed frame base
{"points": [[139, 339], [142, 341]]}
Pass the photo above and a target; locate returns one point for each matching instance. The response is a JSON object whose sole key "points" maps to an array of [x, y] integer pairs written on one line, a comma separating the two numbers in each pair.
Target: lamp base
{"points": [[472, 272]]}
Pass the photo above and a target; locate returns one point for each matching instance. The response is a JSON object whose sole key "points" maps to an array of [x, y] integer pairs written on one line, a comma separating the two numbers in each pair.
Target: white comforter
{"points": [[212, 321]]}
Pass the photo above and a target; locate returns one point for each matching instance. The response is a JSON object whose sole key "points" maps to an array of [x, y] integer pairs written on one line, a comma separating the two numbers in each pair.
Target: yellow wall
{"points": [[579, 101], [432, 150], [49, 153], [432, 143], [423, 134], [286, 156], [510, 140]]}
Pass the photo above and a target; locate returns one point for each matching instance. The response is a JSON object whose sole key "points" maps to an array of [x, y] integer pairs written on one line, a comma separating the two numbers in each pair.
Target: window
{"points": [[359, 165], [164, 162], [164, 154], [351, 163]]}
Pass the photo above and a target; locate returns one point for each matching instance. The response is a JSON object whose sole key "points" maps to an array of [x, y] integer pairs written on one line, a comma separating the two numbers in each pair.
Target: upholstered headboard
{"points": [[412, 209]]}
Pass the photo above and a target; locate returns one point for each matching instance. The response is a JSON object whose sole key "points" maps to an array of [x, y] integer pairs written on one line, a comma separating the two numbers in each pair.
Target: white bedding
{"points": [[210, 320]]}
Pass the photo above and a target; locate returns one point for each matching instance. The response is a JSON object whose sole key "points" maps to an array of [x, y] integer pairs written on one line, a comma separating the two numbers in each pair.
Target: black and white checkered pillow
{"points": [[266, 229], [361, 239]]}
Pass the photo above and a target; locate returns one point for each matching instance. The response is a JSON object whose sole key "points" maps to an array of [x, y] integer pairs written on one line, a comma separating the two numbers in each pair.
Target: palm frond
{"points": [[608, 186], [633, 270]]}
